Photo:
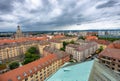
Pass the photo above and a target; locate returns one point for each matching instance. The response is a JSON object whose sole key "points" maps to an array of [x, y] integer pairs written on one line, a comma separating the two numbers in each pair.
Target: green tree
{"points": [[28, 60], [64, 44], [35, 56], [2, 66], [101, 48], [72, 42], [13, 65], [82, 38], [32, 50], [62, 49]]}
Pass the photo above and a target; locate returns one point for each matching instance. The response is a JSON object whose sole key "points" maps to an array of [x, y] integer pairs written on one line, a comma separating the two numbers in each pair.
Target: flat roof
{"points": [[73, 72]]}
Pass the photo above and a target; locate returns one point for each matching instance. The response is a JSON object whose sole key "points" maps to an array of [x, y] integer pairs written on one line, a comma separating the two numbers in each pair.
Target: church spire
{"points": [[18, 32]]}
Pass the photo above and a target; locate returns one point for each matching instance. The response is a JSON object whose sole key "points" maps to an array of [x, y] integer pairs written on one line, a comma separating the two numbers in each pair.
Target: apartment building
{"points": [[82, 50], [109, 33], [111, 56], [11, 51], [56, 44], [42, 45], [38, 70], [14, 48], [60, 54], [100, 72], [68, 39]]}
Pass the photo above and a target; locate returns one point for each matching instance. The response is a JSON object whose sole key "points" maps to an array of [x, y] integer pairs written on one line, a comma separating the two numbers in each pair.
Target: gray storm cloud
{"points": [[59, 14]]}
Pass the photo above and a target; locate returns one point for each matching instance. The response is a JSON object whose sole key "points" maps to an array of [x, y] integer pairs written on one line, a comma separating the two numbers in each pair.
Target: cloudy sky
{"points": [[59, 14]]}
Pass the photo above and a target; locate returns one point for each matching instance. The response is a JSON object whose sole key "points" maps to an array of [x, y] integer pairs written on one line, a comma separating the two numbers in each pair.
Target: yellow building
{"points": [[38, 70], [42, 45], [12, 51], [56, 44]]}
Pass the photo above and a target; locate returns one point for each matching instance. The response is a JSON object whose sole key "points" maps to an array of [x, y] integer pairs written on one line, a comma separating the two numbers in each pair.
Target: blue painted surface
{"points": [[77, 72]]}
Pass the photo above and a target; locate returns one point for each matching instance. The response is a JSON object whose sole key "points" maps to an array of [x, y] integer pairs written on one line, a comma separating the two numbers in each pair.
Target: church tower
{"points": [[18, 33]]}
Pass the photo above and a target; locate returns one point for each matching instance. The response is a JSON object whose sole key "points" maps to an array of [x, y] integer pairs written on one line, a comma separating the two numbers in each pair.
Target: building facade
{"points": [[60, 54], [100, 72], [111, 56], [38, 70], [13, 50], [82, 50]]}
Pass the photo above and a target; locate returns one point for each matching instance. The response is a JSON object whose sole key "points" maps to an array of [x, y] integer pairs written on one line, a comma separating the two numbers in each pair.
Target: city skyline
{"points": [[39, 15]]}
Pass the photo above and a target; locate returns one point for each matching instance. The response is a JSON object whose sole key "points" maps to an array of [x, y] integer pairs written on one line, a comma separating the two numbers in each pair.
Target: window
{"points": [[113, 59], [31, 76], [108, 62], [36, 73], [119, 66], [119, 60], [26, 79], [118, 70], [103, 61], [112, 68], [40, 74]]}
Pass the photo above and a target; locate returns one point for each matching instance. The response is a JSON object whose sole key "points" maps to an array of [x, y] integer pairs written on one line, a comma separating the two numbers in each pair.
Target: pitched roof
{"points": [[60, 54], [111, 52], [28, 69], [115, 44], [91, 38], [76, 72]]}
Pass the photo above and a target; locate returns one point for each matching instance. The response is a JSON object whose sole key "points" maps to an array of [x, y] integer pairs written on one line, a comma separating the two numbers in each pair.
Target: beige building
{"points": [[42, 45], [82, 50], [60, 54], [56, 44], [38, 70], [68, 39], [14, 50], [111, 58]]}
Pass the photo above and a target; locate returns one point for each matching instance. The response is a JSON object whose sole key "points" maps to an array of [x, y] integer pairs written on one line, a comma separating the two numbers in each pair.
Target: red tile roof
{"points": [[111, 52], [114, 45], [58, 36], [3, 41], [91, 38], [105, 42], [38, 64]]}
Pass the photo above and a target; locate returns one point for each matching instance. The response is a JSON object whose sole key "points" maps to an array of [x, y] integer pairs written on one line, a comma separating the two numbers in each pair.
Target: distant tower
{"points": [[18, 33]]}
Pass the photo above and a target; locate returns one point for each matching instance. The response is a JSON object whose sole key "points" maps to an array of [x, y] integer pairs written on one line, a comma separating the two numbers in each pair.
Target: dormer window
{"points": [[30, 71], [24, 74], [18, 77]]}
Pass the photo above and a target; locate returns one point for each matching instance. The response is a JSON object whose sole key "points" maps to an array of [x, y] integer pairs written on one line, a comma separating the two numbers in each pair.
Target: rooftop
{"points": [[28, 69], [75, 72], [111, 52]]}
